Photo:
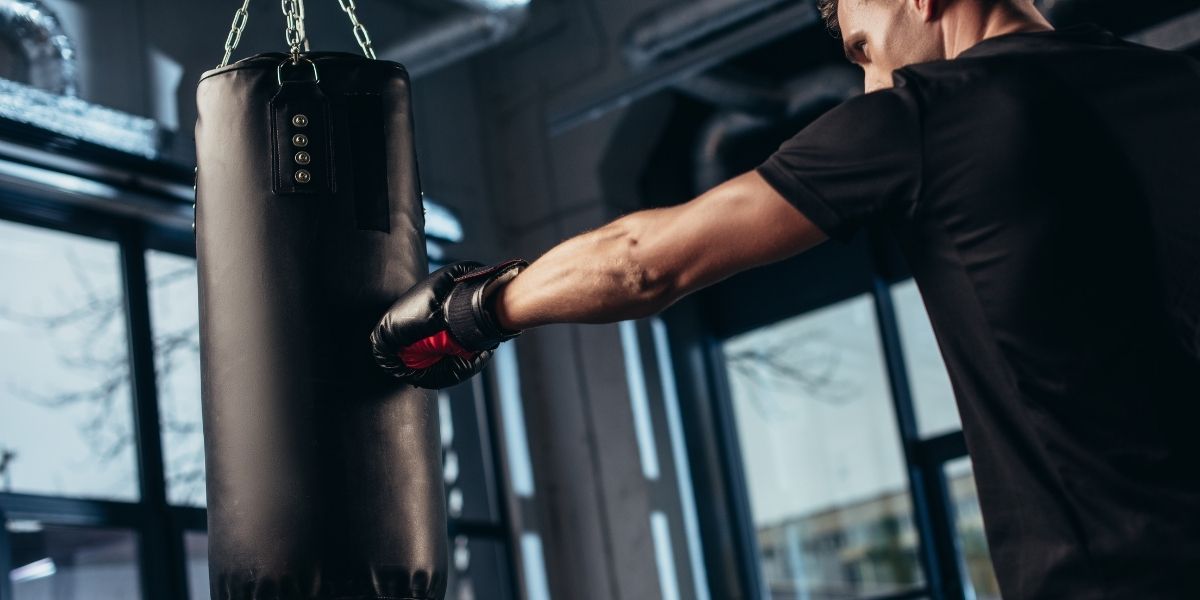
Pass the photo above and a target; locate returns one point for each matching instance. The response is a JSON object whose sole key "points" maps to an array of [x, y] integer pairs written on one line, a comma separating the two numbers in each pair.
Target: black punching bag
{"points": [[324, 474]]}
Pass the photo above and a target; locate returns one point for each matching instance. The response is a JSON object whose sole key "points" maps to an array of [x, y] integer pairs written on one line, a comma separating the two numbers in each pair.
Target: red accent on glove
{"points": [[431, 350]]}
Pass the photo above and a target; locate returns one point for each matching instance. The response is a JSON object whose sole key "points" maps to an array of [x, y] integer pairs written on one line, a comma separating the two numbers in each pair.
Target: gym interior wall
{"points": [[807, 448]]}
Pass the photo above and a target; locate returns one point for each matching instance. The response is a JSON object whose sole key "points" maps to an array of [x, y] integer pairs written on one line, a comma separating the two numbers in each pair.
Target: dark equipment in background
{"points": [[324, 473], [34, 49]]}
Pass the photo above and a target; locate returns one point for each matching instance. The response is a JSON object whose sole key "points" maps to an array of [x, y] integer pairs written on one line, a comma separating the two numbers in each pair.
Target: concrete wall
{"points": [[593, 503]]}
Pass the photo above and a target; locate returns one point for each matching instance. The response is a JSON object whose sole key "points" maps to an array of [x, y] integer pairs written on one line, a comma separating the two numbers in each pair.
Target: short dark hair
{"points": [[828, 10]]}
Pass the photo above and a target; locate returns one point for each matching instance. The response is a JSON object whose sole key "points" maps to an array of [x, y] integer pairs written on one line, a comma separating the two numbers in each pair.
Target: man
{"points": [[1046, 189]]}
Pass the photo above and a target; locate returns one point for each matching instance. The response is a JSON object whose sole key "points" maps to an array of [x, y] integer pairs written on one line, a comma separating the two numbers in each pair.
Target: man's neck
{"points": [[973, 22]]}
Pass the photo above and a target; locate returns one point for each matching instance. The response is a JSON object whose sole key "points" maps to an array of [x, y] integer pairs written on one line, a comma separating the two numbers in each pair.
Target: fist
{"points": [[440, 332]]}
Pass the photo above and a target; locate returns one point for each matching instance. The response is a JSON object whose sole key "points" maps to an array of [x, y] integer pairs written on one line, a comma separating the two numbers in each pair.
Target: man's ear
{"points": [[929, 9]]}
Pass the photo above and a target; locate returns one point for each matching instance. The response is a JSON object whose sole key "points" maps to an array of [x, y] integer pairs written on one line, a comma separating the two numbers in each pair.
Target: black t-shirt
{"points": [[1046, 190]]}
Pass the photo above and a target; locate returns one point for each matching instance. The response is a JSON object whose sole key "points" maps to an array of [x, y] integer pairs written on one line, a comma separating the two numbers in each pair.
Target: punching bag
{"points": [[324, 473]]}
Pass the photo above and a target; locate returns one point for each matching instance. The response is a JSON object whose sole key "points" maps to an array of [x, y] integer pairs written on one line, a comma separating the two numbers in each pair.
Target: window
{"points": [[937, 414], [822, 458], [64, 378], [195, 548], [77, 340], [505, 374], [968, 523], [478, 569], [72, 563], [932, 394], [832, 431], [175, 321], [658, 429]]}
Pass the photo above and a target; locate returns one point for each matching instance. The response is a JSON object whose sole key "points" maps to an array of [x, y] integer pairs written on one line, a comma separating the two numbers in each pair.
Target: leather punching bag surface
{"points": [[324, 474]]}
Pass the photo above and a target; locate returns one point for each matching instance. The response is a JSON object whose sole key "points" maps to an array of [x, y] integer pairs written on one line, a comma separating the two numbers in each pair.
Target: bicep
{"points": [[740, 224]]}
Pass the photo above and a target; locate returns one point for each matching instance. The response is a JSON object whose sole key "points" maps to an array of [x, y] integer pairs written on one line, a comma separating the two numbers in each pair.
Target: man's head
{"points": [[884, 35]]}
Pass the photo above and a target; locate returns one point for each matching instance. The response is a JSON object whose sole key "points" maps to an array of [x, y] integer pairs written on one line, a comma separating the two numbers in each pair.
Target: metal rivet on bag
{"points": [[303, 158], [300, 140], [303, 176], [300, 120]]}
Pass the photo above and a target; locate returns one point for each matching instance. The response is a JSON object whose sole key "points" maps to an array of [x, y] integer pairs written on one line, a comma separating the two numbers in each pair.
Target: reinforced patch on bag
{"points": [[369, 153], [301, 149]]}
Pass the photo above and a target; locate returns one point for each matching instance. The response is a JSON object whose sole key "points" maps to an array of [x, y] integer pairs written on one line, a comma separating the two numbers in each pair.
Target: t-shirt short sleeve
{"points": [[855, 162]]}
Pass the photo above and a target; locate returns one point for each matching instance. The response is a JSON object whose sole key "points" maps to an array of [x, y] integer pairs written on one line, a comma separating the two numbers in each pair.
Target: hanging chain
{"points": [[360, 32], [295, 27], [295, 36], [235, 31], [303, 32]]}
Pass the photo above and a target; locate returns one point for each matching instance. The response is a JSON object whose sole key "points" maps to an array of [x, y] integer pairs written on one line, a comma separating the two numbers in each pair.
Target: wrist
{"points": [[470, 309], [497, 309]]}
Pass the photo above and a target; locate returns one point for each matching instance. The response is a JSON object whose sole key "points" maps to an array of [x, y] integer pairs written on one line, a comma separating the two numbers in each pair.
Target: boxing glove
{"points": [[442, 331]]}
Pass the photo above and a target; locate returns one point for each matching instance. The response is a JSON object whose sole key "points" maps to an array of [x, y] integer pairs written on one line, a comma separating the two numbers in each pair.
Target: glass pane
{"points": [[934, 398], [466, 455], [196, 547], [822, 456], [478, 570], [512, 413], [969, 523], [52, 562], [175, 321], [67, 426], [533, 567]]}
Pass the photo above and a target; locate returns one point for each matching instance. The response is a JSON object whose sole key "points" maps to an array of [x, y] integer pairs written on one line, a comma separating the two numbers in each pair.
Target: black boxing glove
{"points": [[442, 331]]}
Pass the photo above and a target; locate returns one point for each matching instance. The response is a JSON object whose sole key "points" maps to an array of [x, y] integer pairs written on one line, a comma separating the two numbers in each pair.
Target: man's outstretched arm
{"points": [[443, 330], [645, 261]]}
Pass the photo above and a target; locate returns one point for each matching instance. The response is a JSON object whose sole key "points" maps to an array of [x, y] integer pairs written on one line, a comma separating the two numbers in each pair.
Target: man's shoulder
{"points": [[1015, 61], [897, 102], [959, 74], [994, 84]]}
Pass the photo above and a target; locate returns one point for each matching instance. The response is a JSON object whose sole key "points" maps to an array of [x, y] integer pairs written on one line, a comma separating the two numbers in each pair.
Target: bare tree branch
{"points": [[88, 337], [791, 371]]}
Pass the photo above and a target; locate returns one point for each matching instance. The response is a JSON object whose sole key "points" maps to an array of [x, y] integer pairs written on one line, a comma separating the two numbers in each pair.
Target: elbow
{"points": [[649, 283], [651, 290]]}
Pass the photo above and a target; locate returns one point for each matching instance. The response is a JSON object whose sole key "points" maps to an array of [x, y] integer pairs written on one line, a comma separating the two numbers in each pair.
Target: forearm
{"points": [[643, 262], [601, 276]]}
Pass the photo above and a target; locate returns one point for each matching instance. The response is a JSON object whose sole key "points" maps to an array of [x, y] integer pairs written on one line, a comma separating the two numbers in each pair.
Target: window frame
{"points": [[871, 263], [158, 526], [145, 214]]}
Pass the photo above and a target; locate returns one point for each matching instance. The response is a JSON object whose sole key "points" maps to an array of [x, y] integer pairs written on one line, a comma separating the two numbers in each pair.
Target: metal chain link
{"points": [[295, 35], [235, 31], [303, 31], [295, 25], [360, 32]]}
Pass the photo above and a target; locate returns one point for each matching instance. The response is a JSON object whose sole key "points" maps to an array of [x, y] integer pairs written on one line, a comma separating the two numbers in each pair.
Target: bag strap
{"points": [[295, 34]]}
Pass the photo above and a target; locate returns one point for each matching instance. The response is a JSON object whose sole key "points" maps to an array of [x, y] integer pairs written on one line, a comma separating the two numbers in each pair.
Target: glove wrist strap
{"points": [[468, 310]]}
